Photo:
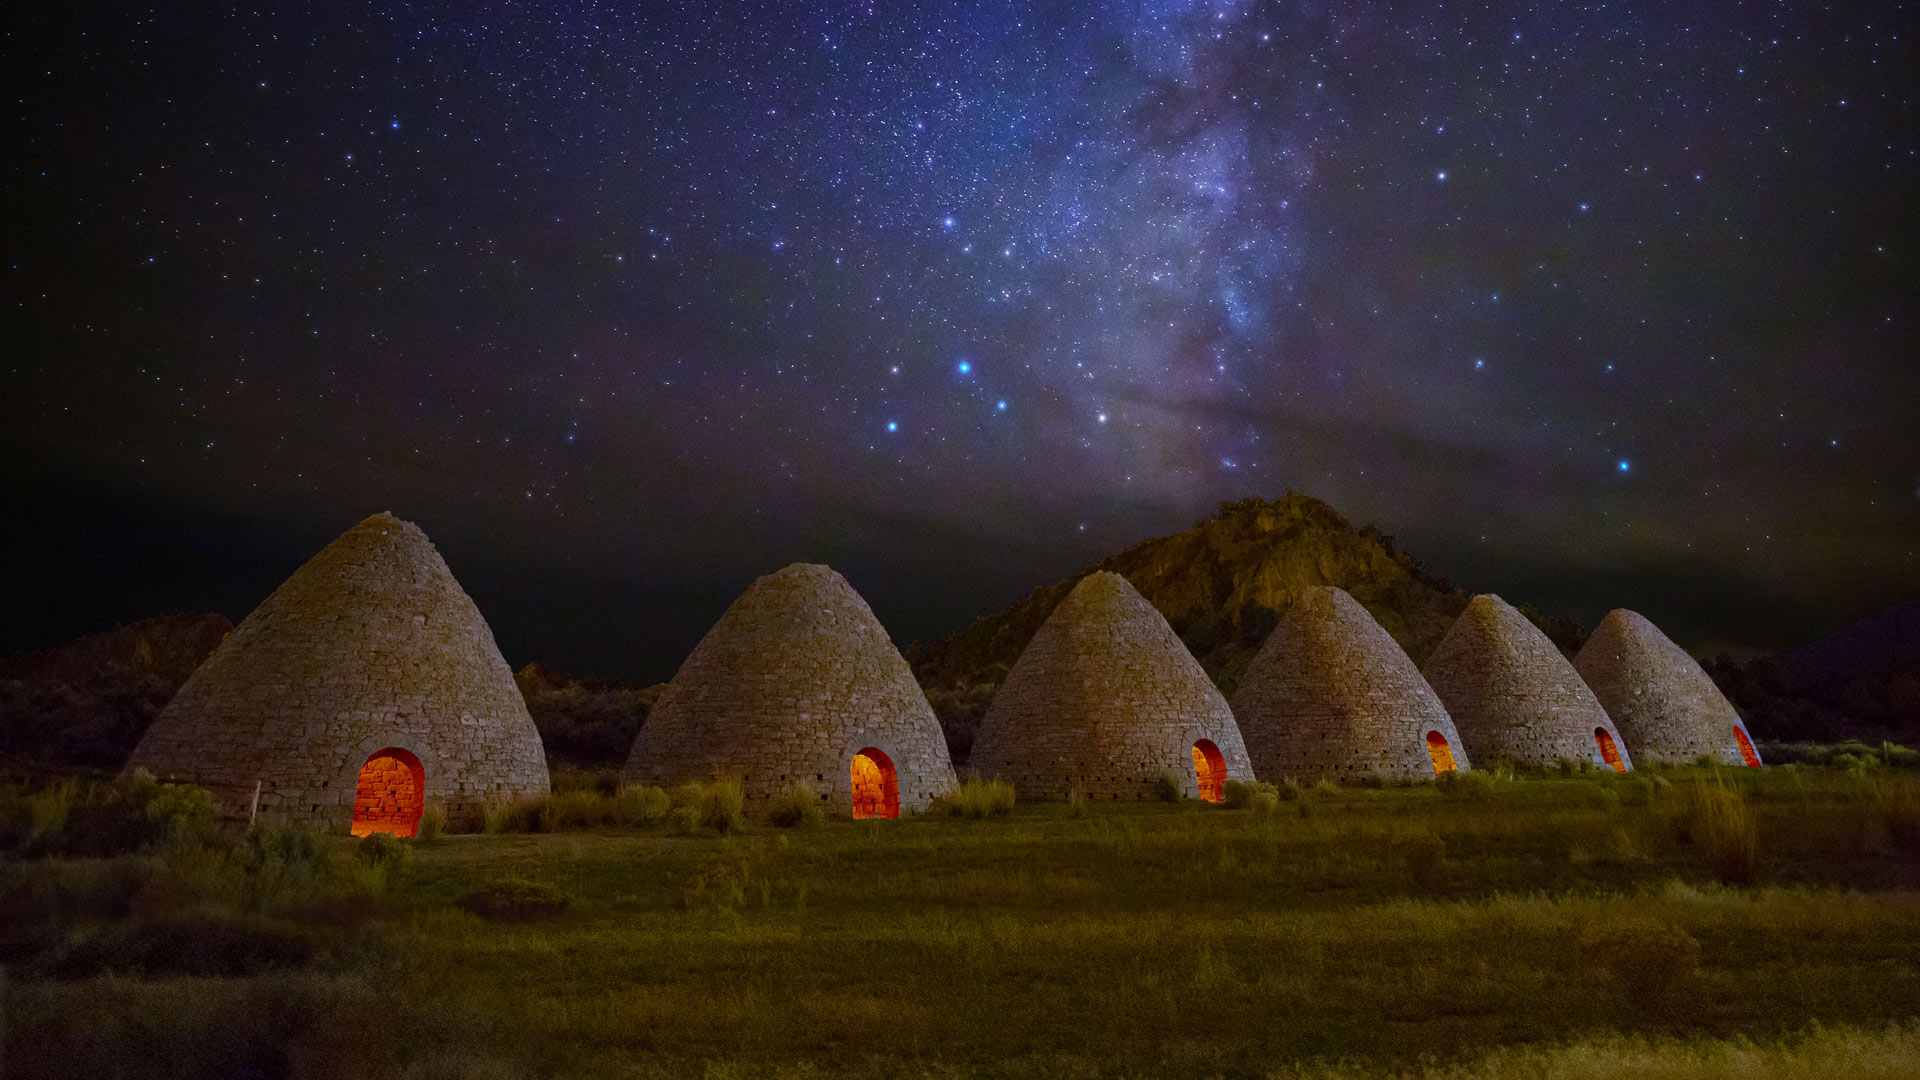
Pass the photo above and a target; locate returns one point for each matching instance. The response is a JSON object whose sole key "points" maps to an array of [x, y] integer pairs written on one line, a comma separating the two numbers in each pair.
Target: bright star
{"points": [[892, 426], [1441, 175], [965, 367], [1624, 466], [1002, 406]]}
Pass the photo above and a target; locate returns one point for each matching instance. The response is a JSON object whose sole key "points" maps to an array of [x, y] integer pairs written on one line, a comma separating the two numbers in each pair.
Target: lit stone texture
{"points": [[1664, 704], [793, 681], [370, 645], [1511, 694], [1331, 695], [1104, 701]]}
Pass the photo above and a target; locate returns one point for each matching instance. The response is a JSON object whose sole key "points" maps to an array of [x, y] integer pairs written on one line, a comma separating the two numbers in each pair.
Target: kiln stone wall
{"points": [[1104, 701], [1331, 695], [794, 680], [1511, 694], [371, 644], [1660, 698]]}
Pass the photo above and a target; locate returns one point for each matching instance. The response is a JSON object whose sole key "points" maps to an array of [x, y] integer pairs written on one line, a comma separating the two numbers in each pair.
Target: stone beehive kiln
{"points": [[1513, 697], [370, 646], [1105, 701], [1331, 695], [1663, 703], [793, 683]]}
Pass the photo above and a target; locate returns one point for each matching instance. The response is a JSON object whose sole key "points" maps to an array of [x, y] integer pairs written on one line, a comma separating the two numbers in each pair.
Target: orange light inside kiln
{"points": [[1440, 752], [390, 795], [1608, 751], [1747, 753], [876, 788], [1211, 770]]}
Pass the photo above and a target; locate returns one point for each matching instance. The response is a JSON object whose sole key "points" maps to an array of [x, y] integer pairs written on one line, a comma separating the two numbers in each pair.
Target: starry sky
{"points": [[625, 304]]}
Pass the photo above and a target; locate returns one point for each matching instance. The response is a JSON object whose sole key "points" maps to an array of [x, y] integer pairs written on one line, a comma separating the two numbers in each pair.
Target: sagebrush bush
{"points": [[639, 805], [1424, 854], [797, 807], [1168, 788], [978, 799], [382, 851], [1240, 796]]}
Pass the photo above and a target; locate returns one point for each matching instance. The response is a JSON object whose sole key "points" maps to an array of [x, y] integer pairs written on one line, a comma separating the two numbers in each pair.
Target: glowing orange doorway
{"points": [[876, 789], [1211, 770], [1608, 751], [1440, 752], [390, 795], [1747, 753]]}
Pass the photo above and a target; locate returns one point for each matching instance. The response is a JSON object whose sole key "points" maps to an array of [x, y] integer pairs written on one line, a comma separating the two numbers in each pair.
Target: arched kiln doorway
{"points": [[390, 795], [1748, 755], [1609, 752], [1440, 752], [876, 788], [1210, 769]]}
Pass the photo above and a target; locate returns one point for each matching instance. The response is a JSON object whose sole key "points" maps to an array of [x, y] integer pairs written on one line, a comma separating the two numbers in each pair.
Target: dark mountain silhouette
{"points": [[83, 705], [1859, 682]]}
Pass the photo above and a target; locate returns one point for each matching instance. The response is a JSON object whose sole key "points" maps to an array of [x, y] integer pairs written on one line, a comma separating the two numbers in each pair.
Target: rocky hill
{"points": [[84, 704], [1219, 584]]}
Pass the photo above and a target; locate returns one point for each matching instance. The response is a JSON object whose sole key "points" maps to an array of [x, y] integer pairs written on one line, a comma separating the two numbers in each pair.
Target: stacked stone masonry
{"points": [[1104, 702], [1659, 697], [1331, 695], [794, 680], [372, 644], [1511, 694]]}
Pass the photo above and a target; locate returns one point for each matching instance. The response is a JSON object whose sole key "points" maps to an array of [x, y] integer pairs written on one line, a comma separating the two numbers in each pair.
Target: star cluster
{"points": [[1593, 304]]}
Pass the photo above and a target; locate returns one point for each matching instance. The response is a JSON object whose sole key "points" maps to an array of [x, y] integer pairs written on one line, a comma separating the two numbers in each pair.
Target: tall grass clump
{"points": [[1167, 788], [1473, 785], [797, 807], [1717, 822], [979, 799], [719, 805], [1897, 809]]}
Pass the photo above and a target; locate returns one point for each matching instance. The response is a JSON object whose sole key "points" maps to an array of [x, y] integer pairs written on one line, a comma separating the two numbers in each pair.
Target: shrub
{"points": [[1720, 827], [1076, 803], [1168, 788], [717, 804], [514, 900], [382, 851], [979, 799], [1472, 785], [195, 943], [1240, 796], [797, 807], [183, 814]]}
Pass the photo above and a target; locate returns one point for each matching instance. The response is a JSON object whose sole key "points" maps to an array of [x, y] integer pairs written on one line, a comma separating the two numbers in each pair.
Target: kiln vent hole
{"points": [[1748, 754], [1211, 770], [1608, 751], [1440, 752], [390, 795], [876, 788]]}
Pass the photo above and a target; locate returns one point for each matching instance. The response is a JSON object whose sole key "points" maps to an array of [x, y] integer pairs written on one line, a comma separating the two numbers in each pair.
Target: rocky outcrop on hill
{"points": [[1219, 585]]}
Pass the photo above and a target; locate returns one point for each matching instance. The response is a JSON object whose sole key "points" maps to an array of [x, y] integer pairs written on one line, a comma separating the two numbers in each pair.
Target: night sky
{"points": [[626, 304]]}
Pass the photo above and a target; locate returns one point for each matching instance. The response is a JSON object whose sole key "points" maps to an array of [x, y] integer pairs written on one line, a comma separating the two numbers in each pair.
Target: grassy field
{"points": [[1676, 923]]}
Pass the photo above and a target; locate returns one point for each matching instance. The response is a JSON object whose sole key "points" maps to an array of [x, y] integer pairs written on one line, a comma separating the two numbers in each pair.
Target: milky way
{"points": [[627, 304]]}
